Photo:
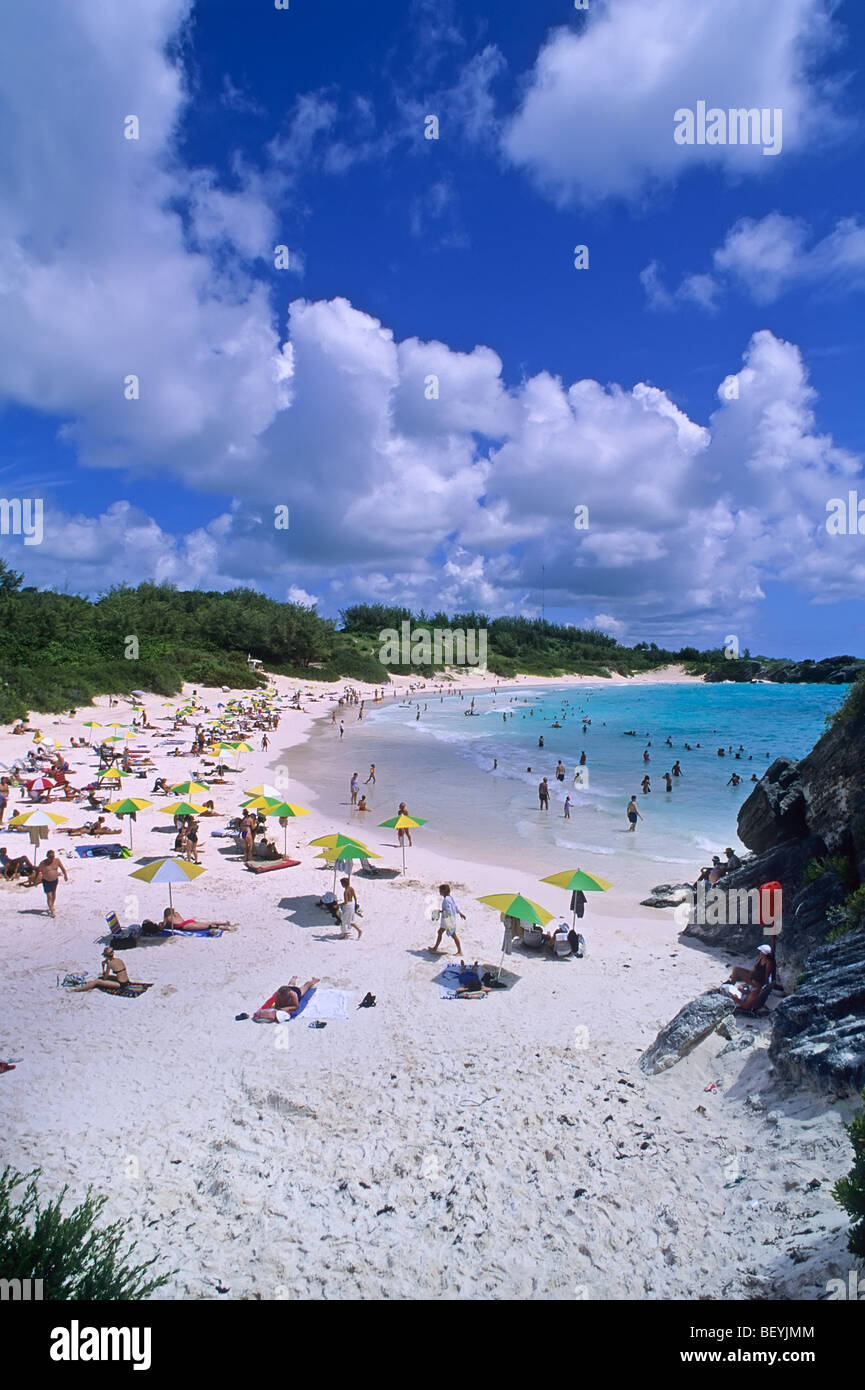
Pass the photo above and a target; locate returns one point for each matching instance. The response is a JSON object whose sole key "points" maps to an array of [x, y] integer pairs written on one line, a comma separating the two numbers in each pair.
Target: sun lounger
{"points": [[265, 868]]}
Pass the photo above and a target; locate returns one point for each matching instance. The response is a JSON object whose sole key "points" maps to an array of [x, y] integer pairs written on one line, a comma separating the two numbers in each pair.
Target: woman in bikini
{"points": [[114, 974]]}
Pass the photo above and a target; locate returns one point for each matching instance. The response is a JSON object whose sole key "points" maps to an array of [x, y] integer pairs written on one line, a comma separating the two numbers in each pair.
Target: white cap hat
{"points": [[766, 950]]}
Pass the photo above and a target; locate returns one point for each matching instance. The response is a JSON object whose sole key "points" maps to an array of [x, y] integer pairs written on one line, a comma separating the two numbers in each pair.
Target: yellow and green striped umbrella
{"points": [[577, 881], [128, 807], [515, 905]]}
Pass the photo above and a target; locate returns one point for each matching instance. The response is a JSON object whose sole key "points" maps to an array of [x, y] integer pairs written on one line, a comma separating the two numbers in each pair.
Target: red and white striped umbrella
{"points": [[40, 784]]}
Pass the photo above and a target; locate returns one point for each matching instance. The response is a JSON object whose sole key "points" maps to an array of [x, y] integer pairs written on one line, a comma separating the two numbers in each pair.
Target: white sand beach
{"points": [[428, 1147]]}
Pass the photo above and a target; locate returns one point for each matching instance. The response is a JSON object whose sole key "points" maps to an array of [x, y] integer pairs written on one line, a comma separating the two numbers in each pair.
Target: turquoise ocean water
{"points": [[442, 766]]}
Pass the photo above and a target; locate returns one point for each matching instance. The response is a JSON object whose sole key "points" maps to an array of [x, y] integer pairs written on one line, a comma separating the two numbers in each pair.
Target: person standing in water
{"points": [[544, 795], [632, 813], [567, 808]]}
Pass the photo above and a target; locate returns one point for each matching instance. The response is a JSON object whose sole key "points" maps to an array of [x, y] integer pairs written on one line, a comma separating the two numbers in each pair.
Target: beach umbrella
{"points": [[337, 841], [37, 822], [401, 823], [40, 784], [91, 724], [30, 820], [128, 807], [515, 905], [346, 853], [182, 808], [189, 788], [265, 789], [115, 725], [169, 871], [286, 811], [577, 881], [118, 738]]}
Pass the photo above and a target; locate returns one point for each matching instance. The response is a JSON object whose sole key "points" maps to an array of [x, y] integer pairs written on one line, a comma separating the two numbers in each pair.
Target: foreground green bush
{"points": [[73, 1258], [849, 1192]]}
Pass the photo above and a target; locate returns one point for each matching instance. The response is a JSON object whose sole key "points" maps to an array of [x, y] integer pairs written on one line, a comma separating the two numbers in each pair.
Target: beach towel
{"points": [[330, 1003], [127, 991], [266, 867], [201, 931]]}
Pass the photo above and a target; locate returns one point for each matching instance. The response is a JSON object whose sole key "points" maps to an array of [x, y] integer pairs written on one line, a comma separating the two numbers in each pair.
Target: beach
{"points": [[429, 1147]]}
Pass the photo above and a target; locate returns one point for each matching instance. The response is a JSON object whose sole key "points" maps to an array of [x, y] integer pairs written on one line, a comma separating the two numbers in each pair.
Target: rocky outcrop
{"points": [[813, 810], [667, 895], [682, 1034], [775, 810], [832, 670], [819, 1029]]}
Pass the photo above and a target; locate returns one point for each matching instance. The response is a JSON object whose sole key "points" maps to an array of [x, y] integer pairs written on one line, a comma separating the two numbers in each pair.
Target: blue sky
{"points": [[453, 257]]}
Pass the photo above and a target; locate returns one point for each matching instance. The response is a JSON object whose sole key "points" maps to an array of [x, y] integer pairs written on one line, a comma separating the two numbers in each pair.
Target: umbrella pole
{"points": [[402, 842]]}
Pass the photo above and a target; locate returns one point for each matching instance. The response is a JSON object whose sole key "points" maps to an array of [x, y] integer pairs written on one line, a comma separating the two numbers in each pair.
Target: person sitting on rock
{"points": [[762, 972]]}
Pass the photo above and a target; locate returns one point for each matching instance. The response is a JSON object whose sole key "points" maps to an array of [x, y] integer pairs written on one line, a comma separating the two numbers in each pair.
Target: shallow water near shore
{"points": [[442, 766]]}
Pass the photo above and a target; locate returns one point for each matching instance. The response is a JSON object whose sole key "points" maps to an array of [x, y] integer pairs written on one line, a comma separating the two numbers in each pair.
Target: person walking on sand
{"points": [[354, 787], [371, 777], [632, 813], [48, 874], [348, 909], [264, 743], [448, 924], [543, 795]]}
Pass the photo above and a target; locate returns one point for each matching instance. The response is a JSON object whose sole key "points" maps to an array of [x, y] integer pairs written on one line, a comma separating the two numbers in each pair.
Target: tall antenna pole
{"points": [[543, 593]]}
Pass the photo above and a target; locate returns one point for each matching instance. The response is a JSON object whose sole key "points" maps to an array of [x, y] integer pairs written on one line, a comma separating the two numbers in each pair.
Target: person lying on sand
{"points": [[470, 980], [90, 827], [286, 1001], [172, 918], [114, 974]]}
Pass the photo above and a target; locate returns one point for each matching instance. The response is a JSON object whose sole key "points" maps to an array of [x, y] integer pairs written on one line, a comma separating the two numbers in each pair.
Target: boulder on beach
{"points": [[691, 1025]]}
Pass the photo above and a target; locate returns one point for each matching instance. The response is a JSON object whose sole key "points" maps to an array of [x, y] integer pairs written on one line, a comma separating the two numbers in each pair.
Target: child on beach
{"points": [[449, 914]]}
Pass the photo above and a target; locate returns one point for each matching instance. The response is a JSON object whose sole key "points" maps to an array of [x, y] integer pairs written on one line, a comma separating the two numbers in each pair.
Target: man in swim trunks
{"points": [[543, 795], [560, 771], [632, 813], [48, 874]]}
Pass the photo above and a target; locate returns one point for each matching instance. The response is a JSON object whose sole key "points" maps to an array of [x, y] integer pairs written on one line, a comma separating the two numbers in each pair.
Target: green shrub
{"points": [[839, 864], [849, 1192], [73, 1258], [847, 916]]}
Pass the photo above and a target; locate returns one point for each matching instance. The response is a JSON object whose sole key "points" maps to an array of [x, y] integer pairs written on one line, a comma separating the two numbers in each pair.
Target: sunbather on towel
{"points": [[470, 980], [114, 974], [285, 1002], [171, 918], [95, 827]]}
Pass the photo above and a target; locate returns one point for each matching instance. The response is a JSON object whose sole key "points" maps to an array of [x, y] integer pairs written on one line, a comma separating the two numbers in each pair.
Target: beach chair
{"points": [[533, 938], [561, 945], [118, 935]]}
